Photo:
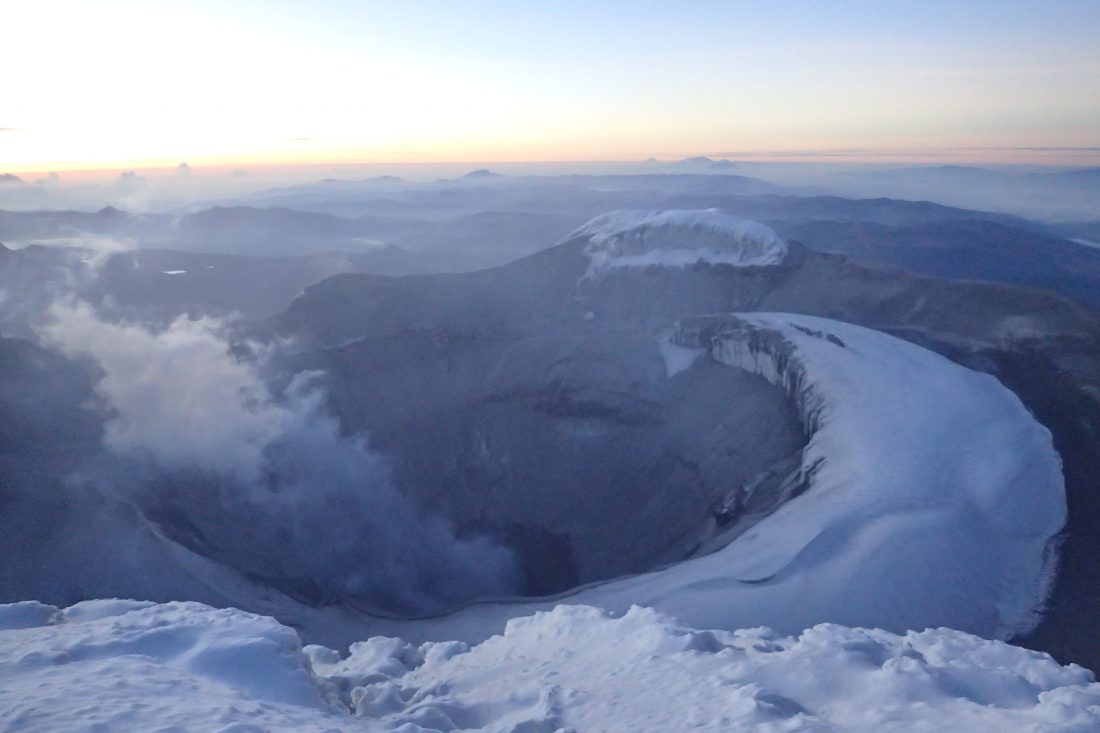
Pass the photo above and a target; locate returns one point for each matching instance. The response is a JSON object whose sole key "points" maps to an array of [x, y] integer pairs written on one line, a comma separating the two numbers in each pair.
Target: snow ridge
{"points": [[677, 238], [130, 666], [903, 441]]}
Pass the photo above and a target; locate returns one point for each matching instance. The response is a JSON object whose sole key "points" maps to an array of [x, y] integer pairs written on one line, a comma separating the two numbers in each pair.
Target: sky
{"points": [[117, 84]]}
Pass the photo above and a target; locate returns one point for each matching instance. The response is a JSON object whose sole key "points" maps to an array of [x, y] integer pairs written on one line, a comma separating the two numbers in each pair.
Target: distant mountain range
{"points": [[442, 229]]}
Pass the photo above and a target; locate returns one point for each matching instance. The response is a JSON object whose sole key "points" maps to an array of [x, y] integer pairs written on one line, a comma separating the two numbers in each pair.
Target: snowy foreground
{"points": [[130, 666]]}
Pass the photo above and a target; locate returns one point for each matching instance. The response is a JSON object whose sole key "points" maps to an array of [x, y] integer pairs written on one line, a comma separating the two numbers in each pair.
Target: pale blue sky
{"points": [[253, 81]]}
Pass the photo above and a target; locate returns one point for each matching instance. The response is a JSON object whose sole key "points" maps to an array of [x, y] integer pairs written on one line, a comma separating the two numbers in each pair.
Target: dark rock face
{"points": [[584, 436], [548, 291]]}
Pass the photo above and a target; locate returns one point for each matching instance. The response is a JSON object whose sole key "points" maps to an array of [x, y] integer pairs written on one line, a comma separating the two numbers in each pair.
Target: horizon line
{"points": [[811, 155]]}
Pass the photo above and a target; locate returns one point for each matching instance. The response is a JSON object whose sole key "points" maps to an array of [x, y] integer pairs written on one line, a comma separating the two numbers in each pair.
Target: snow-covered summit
{"points": [[676, 238], [129, 666]]}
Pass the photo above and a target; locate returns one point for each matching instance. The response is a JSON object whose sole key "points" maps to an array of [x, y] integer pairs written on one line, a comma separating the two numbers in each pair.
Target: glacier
{"points": [[677, 238], [912, 512]]}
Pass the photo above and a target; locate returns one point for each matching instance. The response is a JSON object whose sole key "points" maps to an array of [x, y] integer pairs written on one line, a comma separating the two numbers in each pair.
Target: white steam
{"points": [[177, 396], [266, 483]]}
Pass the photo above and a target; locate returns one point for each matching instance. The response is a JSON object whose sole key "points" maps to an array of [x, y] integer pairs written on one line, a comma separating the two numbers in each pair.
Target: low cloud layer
{"points": [[53, 269]]}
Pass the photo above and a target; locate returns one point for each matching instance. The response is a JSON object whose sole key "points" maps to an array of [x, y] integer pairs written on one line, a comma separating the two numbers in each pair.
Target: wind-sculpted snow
{"points": [[630, 238], [910, 512], [909, 479], [129, 666]]}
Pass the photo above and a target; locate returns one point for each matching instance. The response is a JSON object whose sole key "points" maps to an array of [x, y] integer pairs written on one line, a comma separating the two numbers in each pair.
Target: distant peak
{"points": [[482, 173], [953, 167], [110, 212], [702, 161], [677, 238], [10, 178]]}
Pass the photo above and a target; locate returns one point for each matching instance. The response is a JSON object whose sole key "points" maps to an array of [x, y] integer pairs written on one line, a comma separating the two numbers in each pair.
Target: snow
{"points": [[914, 508], [121, 666], [677, 238], [677, 358], [1087, 243], [184, 666], [174, 272], [915, 514], [25, 614]]}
